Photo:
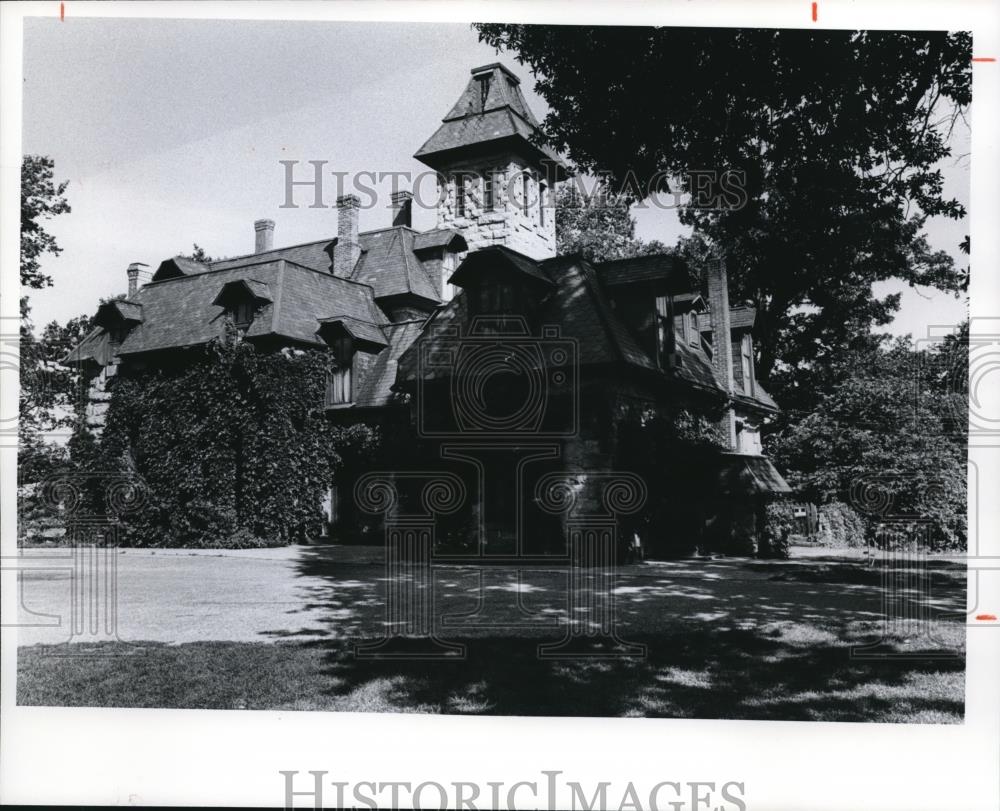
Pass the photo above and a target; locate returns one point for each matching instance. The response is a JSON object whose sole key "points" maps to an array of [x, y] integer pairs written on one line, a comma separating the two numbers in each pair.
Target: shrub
{"points": [[840, 525], [775, 531]]}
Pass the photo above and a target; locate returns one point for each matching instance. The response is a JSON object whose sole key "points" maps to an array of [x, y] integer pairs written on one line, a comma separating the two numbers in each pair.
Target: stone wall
{"points": [[509, 222], [99, 398]]}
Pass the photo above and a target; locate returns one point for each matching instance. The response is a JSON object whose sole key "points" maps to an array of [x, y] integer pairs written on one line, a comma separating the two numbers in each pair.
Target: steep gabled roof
{"points": [[181, 312], [745, 474], [178, 266], [363, 331], [117, 311], [498, 258], [491, 112], [317, 255], [439, 238], [492, 87], [96, 347], [657, 267], [389, 265], [259, 291], [388, 260], [576, 303], [376, 390]]}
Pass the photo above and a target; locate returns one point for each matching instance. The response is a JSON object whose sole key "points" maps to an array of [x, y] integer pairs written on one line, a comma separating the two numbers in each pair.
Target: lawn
{"points": [[727, 639]]}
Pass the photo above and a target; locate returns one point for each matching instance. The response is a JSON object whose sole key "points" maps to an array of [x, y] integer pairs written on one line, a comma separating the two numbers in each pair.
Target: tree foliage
{"points": [[884, 438], [840, 153], [41, 199], [598, 225], [51, 396]]}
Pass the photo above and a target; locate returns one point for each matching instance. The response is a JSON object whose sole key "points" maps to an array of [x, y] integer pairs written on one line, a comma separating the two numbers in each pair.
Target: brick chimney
{"points": [[722, 348], [138, 275], [348, 250], [402, 208], [263, 235]]}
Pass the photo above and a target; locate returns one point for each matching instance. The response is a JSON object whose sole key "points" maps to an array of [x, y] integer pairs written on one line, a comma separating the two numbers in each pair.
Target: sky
{"points": [[171, 132]]}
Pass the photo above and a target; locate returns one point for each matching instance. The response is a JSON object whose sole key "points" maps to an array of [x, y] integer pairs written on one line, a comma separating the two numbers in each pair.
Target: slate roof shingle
{"points": [[497, 257], [118, 310], [180, 312], [359, 330], [439, 238], [389, 265], [376, 390], [650, 268], [478, 119], [745, 474]]}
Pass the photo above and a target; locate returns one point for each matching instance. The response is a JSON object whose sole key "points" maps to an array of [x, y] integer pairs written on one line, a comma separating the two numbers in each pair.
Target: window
{"points": [[694, 336], [541, 203], [459, 195], [489, 201], [448, 265], [496, 298], [117, 334], [338, 384], [484, 91], [525, 191], [746, 354], [241, 312], [663, 342]]}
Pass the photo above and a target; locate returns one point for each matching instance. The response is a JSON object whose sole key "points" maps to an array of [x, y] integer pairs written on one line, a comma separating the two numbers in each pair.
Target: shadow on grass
{"points": [[731, 640], [731, 674]]}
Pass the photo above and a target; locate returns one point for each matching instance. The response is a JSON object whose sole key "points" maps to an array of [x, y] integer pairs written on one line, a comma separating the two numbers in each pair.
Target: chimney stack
{"points": [[348, 250], [722, 347], [402, 208], [138, 275], [264, 235]]}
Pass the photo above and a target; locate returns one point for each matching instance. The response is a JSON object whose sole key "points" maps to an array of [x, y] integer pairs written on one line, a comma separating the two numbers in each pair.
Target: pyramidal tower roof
{"points": [[491, 113]]}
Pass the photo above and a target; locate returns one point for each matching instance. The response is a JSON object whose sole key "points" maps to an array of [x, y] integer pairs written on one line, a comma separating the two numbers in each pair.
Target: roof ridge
{"points": [[262, 253]]}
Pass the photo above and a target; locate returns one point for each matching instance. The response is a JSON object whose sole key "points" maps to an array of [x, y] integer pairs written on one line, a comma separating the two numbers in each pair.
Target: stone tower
{"points": [[497, 183]]}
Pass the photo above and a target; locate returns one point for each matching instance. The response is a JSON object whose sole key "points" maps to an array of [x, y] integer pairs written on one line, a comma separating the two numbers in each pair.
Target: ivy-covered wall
{"points": [[232, 447]]}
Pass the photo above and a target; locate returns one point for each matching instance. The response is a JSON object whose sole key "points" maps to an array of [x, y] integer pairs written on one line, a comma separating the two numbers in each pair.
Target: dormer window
{"points": [[240, 300], [339, 388], [496, 297], [118, 317], [346, 336], [117, 334], [499, 281], [694, 337], [241, 312]]}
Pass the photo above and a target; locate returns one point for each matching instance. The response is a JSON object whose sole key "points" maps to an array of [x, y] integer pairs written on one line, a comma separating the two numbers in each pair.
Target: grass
{"points": [[782, 671]]}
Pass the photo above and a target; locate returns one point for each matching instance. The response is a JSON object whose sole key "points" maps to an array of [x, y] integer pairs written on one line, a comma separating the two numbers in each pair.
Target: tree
{"points": [[52, 396], [598, 225], [884, 434], [41, 199], [198, 254], [837, 153]]}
